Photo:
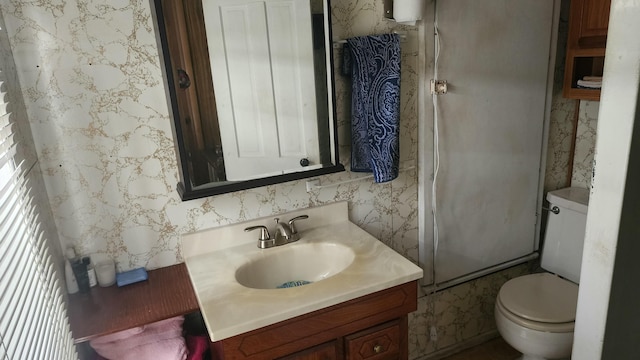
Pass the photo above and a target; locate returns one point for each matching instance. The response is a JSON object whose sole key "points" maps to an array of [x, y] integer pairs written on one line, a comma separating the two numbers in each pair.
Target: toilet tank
{"points": [[564, 238]]}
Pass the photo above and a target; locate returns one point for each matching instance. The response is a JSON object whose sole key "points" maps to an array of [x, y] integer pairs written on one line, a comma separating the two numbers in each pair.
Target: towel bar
{"points": [[402, 34]]}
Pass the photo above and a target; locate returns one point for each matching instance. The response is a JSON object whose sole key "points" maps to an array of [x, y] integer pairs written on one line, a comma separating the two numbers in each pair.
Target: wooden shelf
{"points": [[167, 293], [586, 43], [580, 63]]}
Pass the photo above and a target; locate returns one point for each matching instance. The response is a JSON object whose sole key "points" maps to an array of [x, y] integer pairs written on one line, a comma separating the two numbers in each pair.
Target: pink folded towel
{"points": [[198, 346], [161, 340]]}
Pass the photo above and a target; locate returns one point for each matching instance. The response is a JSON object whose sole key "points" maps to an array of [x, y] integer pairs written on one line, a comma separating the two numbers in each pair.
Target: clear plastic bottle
{"points": [[72, 284], [91, 272]]}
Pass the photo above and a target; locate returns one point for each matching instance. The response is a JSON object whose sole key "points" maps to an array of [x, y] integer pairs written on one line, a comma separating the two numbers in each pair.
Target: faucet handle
{"points": [[292, 222], [265, 241], [264, 232]]}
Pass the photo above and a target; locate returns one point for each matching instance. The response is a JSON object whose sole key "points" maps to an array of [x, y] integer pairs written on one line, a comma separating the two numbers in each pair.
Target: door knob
{"points": [[183, 79]]}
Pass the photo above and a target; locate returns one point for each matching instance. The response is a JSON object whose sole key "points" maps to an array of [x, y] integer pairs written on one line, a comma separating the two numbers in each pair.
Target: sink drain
{"points": [[295, 283]]}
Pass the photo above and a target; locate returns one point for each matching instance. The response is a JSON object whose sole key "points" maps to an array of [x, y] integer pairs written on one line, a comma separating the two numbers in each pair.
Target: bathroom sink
{"points": [[237, 283], [294, 265]]}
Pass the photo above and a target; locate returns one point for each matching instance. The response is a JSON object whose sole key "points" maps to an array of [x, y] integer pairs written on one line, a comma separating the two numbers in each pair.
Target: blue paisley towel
{"points": [[375, 104]]}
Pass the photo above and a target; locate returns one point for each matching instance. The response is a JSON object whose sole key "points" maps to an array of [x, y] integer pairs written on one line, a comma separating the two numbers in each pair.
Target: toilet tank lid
{"points": [[540, 297], [572, 198]]}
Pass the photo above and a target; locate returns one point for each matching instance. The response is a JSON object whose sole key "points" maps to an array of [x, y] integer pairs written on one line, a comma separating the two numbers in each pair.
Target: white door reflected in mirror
{"points": [[262, 64]]}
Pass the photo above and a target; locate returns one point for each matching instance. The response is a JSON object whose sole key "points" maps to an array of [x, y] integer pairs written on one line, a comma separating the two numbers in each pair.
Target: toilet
{"points": [[536, 313]]}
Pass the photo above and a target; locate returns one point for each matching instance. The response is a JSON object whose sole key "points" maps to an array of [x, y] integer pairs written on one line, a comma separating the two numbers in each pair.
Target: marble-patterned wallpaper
{"points": [[561, 124], [94, 95], [94, 91], [458, 314], [563, 129], [585, 144]]}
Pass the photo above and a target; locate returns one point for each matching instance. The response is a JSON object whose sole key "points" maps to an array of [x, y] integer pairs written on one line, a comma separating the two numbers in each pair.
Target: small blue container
{"points": [[131, 276]]}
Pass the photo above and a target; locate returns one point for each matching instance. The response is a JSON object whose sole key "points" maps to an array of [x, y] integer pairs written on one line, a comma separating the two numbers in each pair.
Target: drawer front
{"points": [[379, 343], [327, 351]]}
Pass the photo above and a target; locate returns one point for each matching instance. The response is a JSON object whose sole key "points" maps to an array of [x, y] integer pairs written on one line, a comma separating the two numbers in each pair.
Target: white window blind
{"points": [[33, 320]]}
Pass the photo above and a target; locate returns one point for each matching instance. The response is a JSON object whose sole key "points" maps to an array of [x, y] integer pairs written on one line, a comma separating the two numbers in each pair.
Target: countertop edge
{"points": [[241, 329]]}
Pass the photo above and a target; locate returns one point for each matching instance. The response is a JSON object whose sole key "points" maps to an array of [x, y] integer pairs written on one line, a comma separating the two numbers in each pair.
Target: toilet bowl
{"points": [[535, 313]]}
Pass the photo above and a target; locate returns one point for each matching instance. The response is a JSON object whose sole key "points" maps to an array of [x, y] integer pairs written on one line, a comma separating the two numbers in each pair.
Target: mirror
{"points": [[250, 83]]}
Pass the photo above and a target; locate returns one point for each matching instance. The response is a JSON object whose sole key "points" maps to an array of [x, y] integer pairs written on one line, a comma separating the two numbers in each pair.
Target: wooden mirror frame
{"points": [[185, 187]]}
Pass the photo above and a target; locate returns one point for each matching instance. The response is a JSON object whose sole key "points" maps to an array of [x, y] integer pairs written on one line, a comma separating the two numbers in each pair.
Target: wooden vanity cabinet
{"points": [[372, 327], [586, 44]]}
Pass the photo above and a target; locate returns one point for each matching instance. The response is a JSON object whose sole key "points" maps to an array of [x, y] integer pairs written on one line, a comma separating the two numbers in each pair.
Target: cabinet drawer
{"points": [[328, 351], [378, 343]]}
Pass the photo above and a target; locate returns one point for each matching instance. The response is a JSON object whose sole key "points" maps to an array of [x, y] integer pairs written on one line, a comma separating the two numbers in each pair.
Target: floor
{"points": [[495, 349]]}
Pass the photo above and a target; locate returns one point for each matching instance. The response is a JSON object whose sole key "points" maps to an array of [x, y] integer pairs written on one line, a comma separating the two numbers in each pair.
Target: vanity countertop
{"points": [[102, 311], [231, 309]]}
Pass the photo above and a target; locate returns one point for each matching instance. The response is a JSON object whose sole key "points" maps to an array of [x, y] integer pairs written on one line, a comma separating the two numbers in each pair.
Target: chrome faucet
{"points": [[284, 234]]}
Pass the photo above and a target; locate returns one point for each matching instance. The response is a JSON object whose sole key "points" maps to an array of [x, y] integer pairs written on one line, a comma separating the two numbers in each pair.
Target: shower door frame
{"points": [[426, 151]]}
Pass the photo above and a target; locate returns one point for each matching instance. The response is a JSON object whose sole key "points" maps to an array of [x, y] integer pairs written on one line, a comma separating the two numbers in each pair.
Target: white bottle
{"points": [[72, 285]]}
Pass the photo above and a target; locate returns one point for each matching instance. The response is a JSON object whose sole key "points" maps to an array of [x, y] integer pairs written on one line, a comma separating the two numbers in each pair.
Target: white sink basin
{"points": [[237, 283], [294, 263]]}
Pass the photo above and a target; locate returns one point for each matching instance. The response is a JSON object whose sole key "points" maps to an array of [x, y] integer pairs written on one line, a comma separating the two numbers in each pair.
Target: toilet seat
{"points": [[542, 302]]}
